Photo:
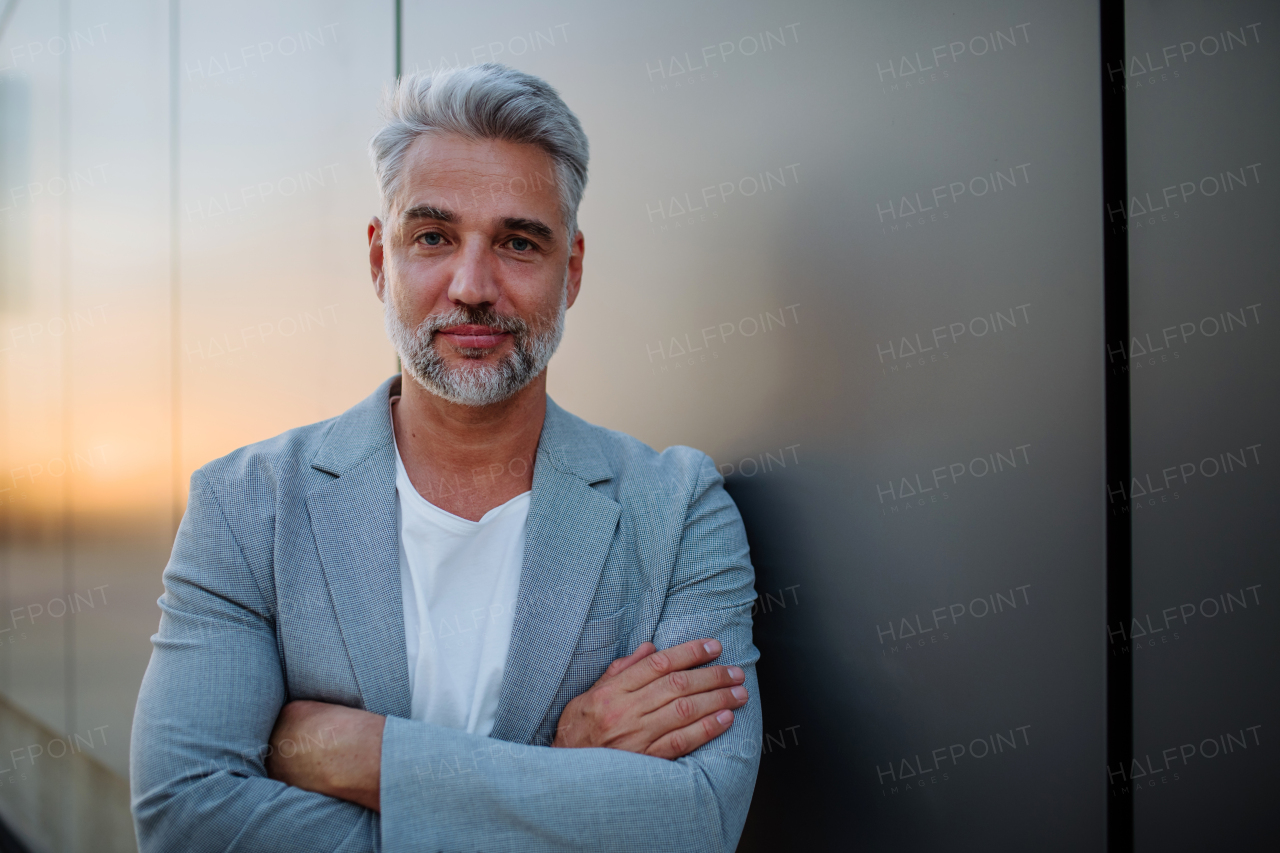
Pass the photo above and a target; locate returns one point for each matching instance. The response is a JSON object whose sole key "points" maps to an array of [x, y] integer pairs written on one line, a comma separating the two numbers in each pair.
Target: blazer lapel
{"points": [[570, 529], [353, 519]]}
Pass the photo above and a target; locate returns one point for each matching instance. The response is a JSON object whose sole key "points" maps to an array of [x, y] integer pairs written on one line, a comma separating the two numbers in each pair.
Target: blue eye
{"points": [[520, 244], [431, 238]]}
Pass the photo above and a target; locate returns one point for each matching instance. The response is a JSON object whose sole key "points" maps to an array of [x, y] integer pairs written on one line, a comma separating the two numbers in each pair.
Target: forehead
{"points": [[485, 177]]}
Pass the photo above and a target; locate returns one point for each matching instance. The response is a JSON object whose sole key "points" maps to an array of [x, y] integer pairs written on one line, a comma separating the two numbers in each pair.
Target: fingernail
{"points": [[736, 674], [725, 717], [739, 693], [712, 647]]}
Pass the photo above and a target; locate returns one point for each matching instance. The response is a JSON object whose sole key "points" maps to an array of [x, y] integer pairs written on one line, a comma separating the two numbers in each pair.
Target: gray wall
{"points": [[1204, 268]]}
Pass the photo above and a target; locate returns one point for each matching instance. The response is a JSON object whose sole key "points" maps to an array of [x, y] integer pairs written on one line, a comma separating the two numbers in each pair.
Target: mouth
{"points": [[470, 336]]}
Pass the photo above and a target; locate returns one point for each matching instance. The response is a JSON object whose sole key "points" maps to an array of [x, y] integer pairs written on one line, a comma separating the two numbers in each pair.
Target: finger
{"points": [[686, 740], [662, 692], [686, 710], [621, 664], [675, 659]]}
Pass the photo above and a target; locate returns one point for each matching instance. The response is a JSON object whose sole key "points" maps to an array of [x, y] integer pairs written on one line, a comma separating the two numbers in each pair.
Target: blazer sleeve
{"points": [[209, 700], [446, 789]]}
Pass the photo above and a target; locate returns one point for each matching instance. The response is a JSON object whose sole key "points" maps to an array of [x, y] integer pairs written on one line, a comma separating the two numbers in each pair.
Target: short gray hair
{"points": [[489, 101]]}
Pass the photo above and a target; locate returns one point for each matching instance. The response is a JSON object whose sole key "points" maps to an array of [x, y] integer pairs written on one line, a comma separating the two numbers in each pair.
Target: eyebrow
{"points": [[426, 211], [529, 226]]}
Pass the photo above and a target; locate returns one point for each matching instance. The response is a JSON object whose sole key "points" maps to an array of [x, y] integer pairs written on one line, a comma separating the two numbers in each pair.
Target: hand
{"points": [[328, 749], [656, 703]]}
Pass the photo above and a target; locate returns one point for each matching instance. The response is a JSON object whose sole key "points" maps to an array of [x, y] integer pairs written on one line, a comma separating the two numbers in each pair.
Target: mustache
{"points": [[473, 315]]}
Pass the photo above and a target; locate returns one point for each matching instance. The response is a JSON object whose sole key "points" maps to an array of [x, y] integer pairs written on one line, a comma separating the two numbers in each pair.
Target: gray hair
{"points": [[489, 101]]}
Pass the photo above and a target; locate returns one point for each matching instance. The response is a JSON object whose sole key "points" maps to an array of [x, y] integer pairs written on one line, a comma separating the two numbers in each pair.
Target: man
{"points": [[434, 622]]}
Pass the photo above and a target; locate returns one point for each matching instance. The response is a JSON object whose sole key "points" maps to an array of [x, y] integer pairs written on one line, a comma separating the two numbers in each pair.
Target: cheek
{"points": [[544, 316], [420, 288], [533, 295]]}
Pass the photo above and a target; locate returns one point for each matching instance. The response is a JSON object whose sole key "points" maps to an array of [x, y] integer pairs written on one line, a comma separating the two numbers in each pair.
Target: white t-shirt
{"points": [[459, 580]]}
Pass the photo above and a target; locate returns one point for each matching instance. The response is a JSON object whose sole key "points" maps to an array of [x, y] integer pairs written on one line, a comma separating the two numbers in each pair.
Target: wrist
{"points": [[355, 774]]}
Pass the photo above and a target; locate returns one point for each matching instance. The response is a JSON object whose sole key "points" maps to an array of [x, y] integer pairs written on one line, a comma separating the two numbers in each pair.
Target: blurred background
{"points": [[851, 250]]}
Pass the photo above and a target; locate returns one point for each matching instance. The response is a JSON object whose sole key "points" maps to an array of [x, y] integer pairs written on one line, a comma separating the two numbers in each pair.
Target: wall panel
{"points": [[1201, 83]]}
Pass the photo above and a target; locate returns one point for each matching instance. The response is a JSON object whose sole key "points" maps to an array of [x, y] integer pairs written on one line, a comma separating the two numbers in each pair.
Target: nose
{"points": [[473, 281]]}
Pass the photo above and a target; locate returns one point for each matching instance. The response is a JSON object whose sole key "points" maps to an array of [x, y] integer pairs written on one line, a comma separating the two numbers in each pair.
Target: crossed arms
{"points": [[650, 702], [215, 690]]}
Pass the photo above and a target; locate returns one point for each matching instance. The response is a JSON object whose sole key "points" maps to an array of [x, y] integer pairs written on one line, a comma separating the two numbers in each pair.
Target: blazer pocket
{"points": [[604, 631]]}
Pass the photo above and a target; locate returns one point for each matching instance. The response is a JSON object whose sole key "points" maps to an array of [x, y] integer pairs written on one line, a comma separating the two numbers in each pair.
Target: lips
{"points": [[470, 336]]}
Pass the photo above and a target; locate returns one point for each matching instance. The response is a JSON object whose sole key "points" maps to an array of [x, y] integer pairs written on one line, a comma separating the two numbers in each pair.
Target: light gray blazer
{"points": [[284, 584]]}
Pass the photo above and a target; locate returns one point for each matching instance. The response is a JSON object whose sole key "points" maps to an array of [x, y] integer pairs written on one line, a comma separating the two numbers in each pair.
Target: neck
{"points": [[469, 459]]}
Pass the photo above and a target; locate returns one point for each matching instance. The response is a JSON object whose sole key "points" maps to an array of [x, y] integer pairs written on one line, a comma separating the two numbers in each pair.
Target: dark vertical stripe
{"points": [[175, 268], [1115, 253]]}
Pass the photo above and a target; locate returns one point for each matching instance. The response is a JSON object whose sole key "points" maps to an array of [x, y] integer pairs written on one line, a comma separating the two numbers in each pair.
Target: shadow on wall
{"points": [[811, 724]]}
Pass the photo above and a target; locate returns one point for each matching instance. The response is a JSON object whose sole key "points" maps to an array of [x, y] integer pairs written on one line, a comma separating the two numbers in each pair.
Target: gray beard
{"points": [[474, 383]]}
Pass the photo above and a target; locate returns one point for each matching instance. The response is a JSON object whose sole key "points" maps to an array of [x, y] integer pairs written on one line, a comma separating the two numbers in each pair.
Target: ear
{"points": [[377, 270], [576, 250]]}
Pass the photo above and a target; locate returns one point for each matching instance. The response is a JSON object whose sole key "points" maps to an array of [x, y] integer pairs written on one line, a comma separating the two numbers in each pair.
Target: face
{"points": [[474, 266]]}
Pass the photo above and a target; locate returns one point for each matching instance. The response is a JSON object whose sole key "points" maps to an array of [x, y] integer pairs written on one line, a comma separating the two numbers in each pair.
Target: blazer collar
{"points": [[570, 444], [567, 442], [358, 432]]}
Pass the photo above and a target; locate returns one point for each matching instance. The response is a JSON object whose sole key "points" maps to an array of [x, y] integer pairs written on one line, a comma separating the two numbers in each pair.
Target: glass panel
{"points": [[278, 103], [38, 350], [279, 323], [1203, 107], [119, 391]]}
